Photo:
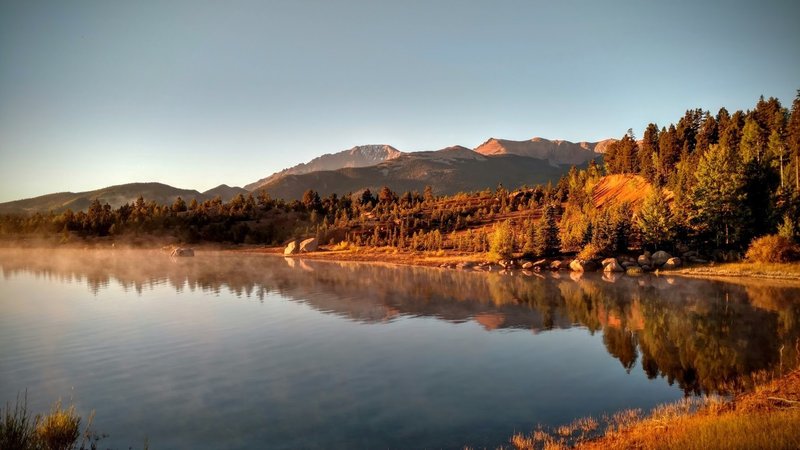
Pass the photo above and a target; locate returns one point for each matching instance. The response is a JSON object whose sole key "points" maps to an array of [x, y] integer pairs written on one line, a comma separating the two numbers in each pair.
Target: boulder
{"points": [[644, 259], [579, 265], [465, 265], [556, 265], [646, 268], [627, 264], [608, 261], [691, 254], [540, 263], [672, 263], [634, 270], [613, 266], [292, 248], [309, 245], [527, 265], [660, 257], [181, 251]]}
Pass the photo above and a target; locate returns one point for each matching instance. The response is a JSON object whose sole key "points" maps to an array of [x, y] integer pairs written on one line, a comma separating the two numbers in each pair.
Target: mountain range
{"points": [[447, 171]]}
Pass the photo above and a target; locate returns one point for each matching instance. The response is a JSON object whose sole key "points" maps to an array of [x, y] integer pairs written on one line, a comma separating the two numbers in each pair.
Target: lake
{"points": [[234, 351]]}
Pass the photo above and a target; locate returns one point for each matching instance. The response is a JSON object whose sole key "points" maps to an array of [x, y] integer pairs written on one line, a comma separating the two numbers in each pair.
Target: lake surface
{"points": [[255, 351]]}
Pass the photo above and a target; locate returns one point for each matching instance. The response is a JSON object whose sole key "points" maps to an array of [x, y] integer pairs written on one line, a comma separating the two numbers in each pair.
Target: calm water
{"points": [[238, 351]]}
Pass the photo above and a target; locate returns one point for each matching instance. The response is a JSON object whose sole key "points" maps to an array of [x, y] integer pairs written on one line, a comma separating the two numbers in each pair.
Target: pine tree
{"points": [[656, 222], [751, 146], [775, 149], [717, 196], [793, 139], [547, 242]]}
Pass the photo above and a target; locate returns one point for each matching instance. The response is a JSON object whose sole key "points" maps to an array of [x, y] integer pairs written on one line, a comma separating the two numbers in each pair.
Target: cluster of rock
{"points": [[646, 262], [298, 246]]}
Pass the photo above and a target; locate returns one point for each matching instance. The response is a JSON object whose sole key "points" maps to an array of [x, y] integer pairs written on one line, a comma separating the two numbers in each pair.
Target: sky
{"points": [[199, 93]]}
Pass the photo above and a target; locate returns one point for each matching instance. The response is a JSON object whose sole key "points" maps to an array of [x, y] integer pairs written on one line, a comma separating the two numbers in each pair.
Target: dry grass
{"points": [[790, 271], [768, 417]]}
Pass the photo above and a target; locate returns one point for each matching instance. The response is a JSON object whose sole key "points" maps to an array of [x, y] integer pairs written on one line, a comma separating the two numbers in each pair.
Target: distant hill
{"points": [[556, 152], [447, 171], [113, 195], [359, 156], [225, 192]]}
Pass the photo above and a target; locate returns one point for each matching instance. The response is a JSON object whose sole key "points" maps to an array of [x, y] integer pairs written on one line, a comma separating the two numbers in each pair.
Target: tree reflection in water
{"points": [[706, 336]]}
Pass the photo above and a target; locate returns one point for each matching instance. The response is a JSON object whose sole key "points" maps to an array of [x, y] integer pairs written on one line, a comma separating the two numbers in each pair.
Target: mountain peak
{"points": [[358, 156], [559, 152]]}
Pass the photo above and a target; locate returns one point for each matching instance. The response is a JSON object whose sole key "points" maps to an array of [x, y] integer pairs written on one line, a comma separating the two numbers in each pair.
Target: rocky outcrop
{"points": [[672, 263], [309, 245], [292, 248]]}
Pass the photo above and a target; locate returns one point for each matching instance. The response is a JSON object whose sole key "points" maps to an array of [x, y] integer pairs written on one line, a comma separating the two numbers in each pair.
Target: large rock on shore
{"points": [[182, 252], [612, 266], [292, 248], [579, 265], [672, 263], [659, 258], [309, 245]]}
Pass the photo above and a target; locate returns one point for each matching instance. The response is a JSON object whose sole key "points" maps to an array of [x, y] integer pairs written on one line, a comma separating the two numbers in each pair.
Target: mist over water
{"points": [[238, 351]]}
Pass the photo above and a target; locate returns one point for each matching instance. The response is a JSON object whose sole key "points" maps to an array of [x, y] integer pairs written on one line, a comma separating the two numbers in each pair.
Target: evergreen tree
{"points": [[179, 205], [648, 153], [717, 196], [669, 151], [751, 146], [656, 222], [547, 241], [793, 139]]}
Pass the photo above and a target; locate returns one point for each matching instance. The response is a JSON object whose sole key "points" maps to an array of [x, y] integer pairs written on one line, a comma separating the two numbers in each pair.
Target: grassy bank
{"points": [[785, 271], [767, 417]]}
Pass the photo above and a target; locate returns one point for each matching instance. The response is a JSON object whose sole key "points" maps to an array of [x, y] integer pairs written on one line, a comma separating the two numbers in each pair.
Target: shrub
{"points": [[60, 429], [16, 426], [772, 248]]}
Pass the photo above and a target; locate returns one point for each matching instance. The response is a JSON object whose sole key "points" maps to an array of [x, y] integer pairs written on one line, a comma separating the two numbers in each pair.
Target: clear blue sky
{"points": [[195, 93]]}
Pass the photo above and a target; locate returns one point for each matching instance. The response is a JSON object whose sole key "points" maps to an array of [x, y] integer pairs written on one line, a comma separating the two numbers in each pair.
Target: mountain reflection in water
{"points": [[700, 334]]}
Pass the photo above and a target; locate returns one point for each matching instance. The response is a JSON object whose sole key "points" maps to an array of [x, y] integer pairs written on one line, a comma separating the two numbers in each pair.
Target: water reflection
{"points": [[699, 334]]}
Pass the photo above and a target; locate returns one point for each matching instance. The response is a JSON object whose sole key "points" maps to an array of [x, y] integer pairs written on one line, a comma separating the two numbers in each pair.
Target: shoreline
{"points": [[718, 271]]}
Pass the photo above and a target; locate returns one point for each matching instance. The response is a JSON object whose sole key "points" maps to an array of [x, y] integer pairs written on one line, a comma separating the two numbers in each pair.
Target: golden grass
{"points": [[747, 269], [60, 429], [768, 417]]}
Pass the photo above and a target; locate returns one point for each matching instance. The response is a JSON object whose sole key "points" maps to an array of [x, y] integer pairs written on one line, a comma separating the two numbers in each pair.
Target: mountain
{"points": [[556, 152], [359, 156], [113, 195], [447, 171], [224, 192]]}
